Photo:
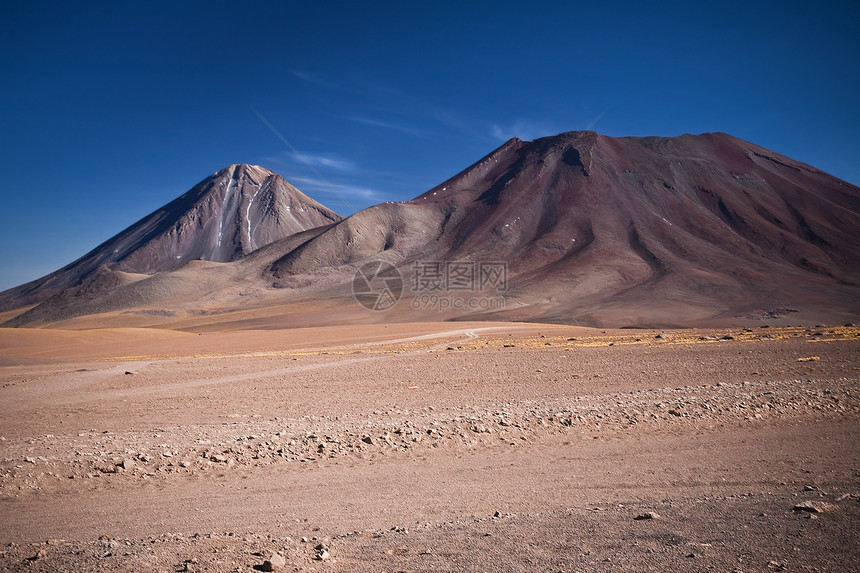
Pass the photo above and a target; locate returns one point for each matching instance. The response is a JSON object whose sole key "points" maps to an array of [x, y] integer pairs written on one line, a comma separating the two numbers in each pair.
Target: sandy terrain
{"points": [[436, 446]]}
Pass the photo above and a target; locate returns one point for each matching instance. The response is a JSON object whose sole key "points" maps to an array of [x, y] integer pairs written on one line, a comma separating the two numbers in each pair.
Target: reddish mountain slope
{"points": [[604, 230], [592, 230]]}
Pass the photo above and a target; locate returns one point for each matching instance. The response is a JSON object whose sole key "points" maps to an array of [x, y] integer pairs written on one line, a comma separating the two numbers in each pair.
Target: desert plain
{"points": [[431, 447]]}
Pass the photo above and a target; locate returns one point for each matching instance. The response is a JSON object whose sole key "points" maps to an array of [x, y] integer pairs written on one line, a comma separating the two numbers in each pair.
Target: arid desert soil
{"points": [[430, 447]]}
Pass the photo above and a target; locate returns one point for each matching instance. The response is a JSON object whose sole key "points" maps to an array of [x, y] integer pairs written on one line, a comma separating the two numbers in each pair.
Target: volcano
{"points": [[221, 219], [587, 229], [599, 230]]}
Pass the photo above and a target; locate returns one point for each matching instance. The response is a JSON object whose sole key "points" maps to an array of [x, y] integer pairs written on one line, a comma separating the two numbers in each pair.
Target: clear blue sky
{"points": [[108, 111]]}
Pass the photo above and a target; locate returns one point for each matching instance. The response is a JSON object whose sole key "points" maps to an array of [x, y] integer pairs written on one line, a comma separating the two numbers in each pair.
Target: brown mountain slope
{"points": [[224, 217], [601, 230], [591, 230]]}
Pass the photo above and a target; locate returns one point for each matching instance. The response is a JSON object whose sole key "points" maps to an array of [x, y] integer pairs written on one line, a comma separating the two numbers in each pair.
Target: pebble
{"points": [[647, 515], [275, 562], [814, 506]]}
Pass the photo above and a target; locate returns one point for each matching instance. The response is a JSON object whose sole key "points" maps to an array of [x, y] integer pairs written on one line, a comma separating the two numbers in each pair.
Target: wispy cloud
{"points": [[316, 185], [316, 80], [296, 153], [381, 105], [388, 125], [526, 130], [319, 160]]}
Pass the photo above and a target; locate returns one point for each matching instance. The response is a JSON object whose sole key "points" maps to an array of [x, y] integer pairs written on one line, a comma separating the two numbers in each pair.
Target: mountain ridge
{"points": [[591, 229]]}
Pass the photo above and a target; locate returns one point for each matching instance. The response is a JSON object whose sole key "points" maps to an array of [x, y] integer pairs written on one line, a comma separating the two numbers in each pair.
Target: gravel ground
{"points": [[502, 448]]}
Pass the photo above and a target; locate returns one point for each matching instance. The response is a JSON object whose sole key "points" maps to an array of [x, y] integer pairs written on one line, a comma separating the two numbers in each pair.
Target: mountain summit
{"points": [[692, 230], [224, 217], [633, 230]]}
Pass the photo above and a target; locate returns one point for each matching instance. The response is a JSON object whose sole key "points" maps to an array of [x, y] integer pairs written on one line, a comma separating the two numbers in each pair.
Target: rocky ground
{"points": [[492, 448]]}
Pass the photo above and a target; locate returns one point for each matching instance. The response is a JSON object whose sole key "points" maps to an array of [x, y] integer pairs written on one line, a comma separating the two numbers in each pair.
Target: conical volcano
{"points": [[224, 217], [625, 231]]}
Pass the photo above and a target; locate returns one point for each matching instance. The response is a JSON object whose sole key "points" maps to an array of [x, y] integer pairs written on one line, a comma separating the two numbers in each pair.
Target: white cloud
{"points": [[342, 190], [318, 160]]}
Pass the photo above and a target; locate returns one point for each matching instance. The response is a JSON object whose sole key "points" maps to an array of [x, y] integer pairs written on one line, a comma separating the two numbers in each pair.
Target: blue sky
{"points": [[110, 110]]}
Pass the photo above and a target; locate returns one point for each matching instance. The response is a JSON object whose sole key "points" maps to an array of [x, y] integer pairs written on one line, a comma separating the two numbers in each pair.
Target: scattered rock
{"points": [[322, 552], [815, 506], [647, 515], [275, 562], [726, 337]]}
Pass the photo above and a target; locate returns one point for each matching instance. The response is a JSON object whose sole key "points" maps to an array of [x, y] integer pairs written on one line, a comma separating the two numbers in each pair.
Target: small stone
{"points": [[275, 562], [647, 515], [661, 336], [323, 555], [127, 463], [814, 507]]}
